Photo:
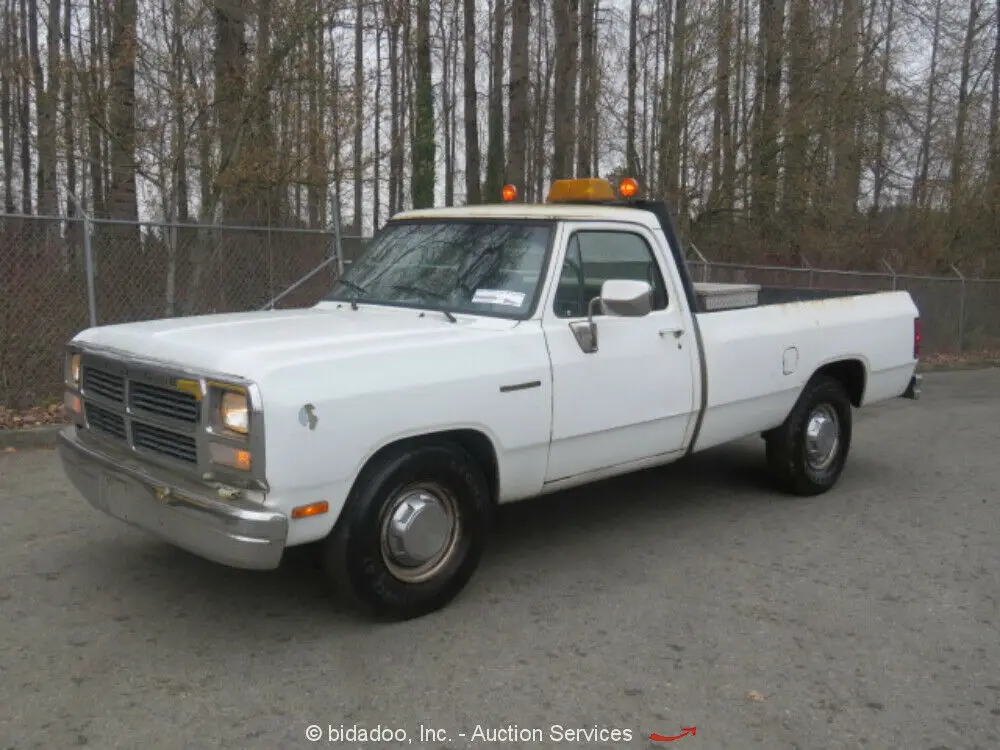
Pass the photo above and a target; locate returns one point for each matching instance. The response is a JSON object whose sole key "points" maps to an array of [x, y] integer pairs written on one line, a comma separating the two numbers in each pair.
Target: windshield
{"points": [[477, 267]]}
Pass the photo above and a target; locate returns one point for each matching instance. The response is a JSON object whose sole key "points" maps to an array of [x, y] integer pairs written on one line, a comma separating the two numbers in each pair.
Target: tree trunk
{"points": [[957, 176], [649, 157], [7, 68], [395, 110], [588, 87], [377, 125], [919, 195], [123, 201], [564, 122], [448, 63], [423, 148], [230, 88], [722, 135], [768, 114], [801, 63], [881, 168], [93, 98], [993, 161], [675, 126], [544, 65], [846, 146], [495, 158], [473, 193], [316, 137], [631, 158], [359, 115], [46, 96], [663, 172], [180, 121], [518, 102]]}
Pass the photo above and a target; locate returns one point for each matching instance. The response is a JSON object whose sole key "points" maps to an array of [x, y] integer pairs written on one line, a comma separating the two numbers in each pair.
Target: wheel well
{"points": [[475, 443], [851, 374]]}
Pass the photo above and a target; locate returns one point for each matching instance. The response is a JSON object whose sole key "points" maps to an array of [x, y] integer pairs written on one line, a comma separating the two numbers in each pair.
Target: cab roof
{"points": [[539, 211]]}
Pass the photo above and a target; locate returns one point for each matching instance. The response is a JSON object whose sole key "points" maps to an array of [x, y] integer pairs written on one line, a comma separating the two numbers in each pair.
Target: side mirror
{"points": [[619, 297], [625, 298]]}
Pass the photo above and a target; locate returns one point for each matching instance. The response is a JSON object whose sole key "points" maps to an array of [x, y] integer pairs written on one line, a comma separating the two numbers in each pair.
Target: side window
{"points": [[570, 301], [594, 257]]}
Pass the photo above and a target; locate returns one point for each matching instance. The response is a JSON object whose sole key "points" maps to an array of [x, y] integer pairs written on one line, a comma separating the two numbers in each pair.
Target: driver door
{"points": [[634, 398]]}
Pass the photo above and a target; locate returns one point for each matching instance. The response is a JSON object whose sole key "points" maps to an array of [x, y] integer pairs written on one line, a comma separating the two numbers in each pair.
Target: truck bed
{"points": [[724, 297], [758, 358]]}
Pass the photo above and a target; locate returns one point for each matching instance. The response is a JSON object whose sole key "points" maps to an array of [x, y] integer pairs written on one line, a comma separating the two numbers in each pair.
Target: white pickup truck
{"points": [[472, 356]]}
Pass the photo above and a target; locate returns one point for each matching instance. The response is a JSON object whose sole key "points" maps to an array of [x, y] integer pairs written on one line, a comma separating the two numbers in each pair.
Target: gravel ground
{"points": [[685, 596]]}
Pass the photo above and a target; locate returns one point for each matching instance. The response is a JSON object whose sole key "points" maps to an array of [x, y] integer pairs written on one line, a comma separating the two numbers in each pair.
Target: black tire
{"points": [[787, 455], [353, 555]]}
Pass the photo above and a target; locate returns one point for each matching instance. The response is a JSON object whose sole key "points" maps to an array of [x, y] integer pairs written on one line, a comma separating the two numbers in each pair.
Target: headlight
{"points": [[73, 370], [234, 413]]}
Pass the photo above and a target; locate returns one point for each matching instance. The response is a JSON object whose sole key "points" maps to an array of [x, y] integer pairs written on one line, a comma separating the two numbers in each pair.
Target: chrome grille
{"points": [[105, 421], [109, 385], [181, 447], [164, 402], [137, 410]]}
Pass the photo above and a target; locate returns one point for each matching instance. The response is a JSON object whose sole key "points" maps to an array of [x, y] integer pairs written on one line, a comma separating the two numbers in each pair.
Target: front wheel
{"points": [[806, 454], [412, 532]]}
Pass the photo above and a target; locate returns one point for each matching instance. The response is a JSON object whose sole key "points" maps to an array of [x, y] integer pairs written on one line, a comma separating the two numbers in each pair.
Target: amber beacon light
{"points": [[628, 188], [509, 193]]}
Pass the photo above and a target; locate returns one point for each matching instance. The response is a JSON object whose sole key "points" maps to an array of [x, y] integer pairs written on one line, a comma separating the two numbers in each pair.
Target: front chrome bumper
{"points": [[913, 389], [230, 532]]}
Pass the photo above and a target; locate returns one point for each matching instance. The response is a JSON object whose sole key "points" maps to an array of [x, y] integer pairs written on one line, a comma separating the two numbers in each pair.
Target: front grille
{"points": [[164, 402], [164, 442], [109, 385], [138, 411], [105, 421]]}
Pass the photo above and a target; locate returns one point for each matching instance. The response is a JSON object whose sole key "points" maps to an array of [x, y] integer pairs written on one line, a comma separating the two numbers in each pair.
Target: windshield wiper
{"points": [[357, 288], [428, 293]]}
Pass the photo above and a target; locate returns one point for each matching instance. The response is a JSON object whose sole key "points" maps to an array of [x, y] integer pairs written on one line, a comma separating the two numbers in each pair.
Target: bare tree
{"points": [[723, 166], [924, 154], [495, 160], [359, 116], [993, 151], [518, 102], [123, 200], [802, 53], [768, 113], [675, 121], [631, 157], [882, 104], [8, 61], [586, 140], [471, 105], [564, 137], [423, 148], [958, 155]]}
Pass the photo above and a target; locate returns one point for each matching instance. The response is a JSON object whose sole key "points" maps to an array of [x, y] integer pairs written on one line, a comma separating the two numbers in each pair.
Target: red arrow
{"points": [[685, 731]]}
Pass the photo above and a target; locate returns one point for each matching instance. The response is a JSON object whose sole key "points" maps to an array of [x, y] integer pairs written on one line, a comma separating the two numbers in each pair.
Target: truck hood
{"points": [[253, 344]]}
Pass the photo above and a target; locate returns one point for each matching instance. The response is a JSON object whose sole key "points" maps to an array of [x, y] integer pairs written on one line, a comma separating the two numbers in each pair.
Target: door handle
{"points": [[677, 332]]}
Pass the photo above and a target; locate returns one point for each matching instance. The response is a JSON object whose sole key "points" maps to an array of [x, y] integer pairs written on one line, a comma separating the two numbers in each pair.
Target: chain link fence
{"points": [[58, 276]]}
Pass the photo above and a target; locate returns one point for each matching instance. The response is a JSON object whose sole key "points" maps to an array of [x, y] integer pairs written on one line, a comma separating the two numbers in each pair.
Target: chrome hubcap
{"points": [[822, 437], [420, 532]]}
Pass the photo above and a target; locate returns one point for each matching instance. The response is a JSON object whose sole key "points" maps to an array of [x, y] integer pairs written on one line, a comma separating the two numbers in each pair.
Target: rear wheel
{"points": [[807, 453], [412, 532]]}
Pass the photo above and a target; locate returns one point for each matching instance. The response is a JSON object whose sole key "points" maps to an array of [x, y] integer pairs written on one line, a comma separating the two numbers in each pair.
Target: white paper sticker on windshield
{"points": [[498, 297]]}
